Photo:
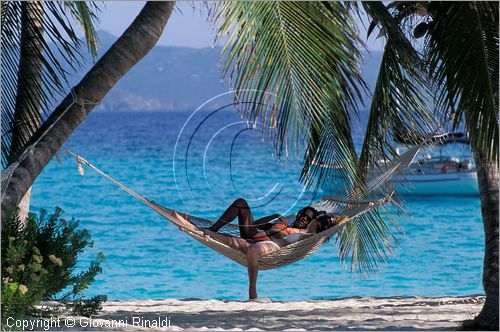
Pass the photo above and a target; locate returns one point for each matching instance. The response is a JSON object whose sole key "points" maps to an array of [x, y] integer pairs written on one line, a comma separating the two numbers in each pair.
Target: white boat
{"points": [[446, 176], [440, 172]]}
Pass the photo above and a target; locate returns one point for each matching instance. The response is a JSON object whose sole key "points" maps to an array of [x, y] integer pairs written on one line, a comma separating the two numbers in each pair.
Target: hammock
{"points": [[292, 252]]}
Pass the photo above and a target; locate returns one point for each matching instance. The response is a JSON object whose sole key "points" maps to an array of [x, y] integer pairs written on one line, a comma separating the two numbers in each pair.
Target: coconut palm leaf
{"points": [[400, 104], [467, 89], [27, 94], [303, 59], [399, 108], [85, 13]]}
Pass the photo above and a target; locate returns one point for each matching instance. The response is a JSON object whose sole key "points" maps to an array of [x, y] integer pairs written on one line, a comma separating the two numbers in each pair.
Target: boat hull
{"points": [[453, 183]]}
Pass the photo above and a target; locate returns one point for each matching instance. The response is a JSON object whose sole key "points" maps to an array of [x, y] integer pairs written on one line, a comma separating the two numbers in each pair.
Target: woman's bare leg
{"points": [[234, 242], [254, 252], [253, 271], [239, 208]]}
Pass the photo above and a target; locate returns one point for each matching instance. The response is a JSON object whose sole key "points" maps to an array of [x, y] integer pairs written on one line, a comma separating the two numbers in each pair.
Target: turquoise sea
{"points": [[216, 160]]}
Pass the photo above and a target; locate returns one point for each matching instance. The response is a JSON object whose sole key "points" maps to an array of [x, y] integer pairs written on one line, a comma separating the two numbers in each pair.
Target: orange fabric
{"points": [[292, 230], [283, 229], [278, 227], [262, 236]]}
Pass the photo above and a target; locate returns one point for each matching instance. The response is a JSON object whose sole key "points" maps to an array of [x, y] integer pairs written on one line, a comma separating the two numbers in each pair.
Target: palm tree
{"points": [[31, 73], [306, 55], [143, 34], [461, 50]]}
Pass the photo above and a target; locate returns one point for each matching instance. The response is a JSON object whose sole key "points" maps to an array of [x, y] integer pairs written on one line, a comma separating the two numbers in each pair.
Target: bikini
{"points": [[280, 232]]}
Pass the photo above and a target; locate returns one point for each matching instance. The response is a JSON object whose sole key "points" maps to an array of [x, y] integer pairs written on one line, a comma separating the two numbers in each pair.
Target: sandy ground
{"points": [[404, 313]]}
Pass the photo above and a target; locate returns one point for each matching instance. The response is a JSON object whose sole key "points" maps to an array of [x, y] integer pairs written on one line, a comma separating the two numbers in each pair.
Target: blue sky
{"points": [[187, 26]]}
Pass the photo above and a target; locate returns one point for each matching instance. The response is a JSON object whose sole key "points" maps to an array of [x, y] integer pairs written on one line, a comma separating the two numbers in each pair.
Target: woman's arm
{"points": [[313, 227]]}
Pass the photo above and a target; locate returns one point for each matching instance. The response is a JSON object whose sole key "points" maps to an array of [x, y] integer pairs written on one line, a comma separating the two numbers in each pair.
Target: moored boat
{"points": [[447, 169], [443, 177]]}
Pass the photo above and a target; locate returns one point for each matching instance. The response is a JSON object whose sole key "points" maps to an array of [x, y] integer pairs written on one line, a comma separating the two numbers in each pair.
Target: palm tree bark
{"points": [[139, 38], [487, 175], [27, 115]]}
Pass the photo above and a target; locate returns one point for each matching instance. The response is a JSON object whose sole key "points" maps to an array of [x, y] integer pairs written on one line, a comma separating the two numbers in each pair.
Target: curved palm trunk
{"points": [[129, 49], [27, 115], [487, 175]]}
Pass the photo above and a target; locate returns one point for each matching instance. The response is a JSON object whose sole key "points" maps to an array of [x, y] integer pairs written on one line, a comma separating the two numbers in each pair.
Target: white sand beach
{"points": [[363, 313]]}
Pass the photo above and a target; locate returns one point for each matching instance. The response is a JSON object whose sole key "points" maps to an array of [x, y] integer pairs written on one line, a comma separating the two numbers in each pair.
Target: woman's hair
{"points": [[308, 208]]}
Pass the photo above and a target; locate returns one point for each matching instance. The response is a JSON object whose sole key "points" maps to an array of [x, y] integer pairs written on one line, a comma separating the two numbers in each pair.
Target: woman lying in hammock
{"points": [[262, 229], [259, 237]]}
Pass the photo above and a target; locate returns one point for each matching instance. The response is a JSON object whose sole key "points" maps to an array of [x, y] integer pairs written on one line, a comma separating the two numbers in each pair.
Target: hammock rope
{"points": [[9, 171], [287, 254]]}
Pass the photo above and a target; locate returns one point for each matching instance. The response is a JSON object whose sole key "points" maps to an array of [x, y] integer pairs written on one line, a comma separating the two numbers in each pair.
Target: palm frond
{"points": [[32, 79], [303, 58], [368, 241], [85, 13], [10, 41], [462, 45], [399, 107], [401, 98]]}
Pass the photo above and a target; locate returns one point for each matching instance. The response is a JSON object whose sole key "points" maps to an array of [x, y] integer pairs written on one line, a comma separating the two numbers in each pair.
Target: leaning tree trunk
{"points": [[129, 49], [27, 115], [487, 175]]}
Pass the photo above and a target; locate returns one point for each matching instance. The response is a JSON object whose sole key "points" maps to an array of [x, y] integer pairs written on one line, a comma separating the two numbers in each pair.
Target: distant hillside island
{"points": [[177, 78]]}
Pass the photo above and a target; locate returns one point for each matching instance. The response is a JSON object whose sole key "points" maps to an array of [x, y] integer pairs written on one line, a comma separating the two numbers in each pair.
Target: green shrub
{"points": [[39, 259]]}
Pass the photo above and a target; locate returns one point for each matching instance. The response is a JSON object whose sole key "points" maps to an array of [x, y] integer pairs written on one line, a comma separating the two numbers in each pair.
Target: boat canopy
{"points": [[449, 138], [453, 138]]}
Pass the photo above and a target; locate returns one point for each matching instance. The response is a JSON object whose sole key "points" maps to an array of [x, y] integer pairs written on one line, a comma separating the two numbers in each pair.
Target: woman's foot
{"points": [[260, 300], [183, 222]]}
